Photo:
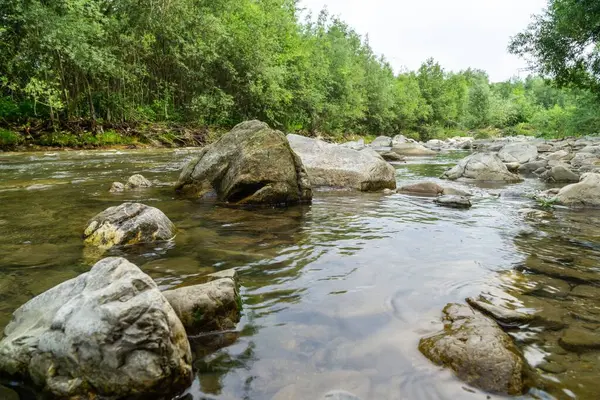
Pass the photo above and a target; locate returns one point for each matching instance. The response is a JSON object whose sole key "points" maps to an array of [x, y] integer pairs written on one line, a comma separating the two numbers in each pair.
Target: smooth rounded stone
{"points": [[392, 156], [558, 155], [354, 145], [552, 367], [117, 187], [591, 149], [330, 165], [382, 141], [388, 192], [456, 192], [586, 291], [212, 306], [252, 164], [477, 350], [453, 201], [559, 174], [372, 153], [129, 223], [108, 333], [512, 166], [138, 181], [584, 159], [579, 339], [481, 167], [586, 193], [334, 383], [531, 167], [400, 139], [412, 149], [518, 152], [544, 147], [422, 188]]}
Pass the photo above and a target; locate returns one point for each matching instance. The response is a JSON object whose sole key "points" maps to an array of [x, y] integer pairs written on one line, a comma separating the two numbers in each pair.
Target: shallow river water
{"points": [[336, 294]]}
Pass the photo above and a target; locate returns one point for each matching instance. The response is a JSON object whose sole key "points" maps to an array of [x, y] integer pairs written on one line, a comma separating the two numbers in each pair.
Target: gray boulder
{"points": [[137, 181], [477, 350], [108, 333], [531, 167], [372, 153], [382, 141], [559, 173], [129, 223], [117, 187], [212, 306], [412, 149], [585, 193], [453, 201], [481, 167], [252, 164], [399, 139], [391, 156], [335, 166], [585, 159], [518, 152], [355, 145]]}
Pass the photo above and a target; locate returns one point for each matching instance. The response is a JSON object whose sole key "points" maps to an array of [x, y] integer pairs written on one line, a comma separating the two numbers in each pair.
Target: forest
{"points": [[87, 71]]}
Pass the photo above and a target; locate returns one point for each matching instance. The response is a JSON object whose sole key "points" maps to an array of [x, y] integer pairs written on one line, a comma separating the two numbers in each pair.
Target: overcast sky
{"points": [[457, 33]]}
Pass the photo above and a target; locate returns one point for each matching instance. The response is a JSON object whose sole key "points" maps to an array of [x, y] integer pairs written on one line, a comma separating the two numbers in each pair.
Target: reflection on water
{"points": [[336, 294]]}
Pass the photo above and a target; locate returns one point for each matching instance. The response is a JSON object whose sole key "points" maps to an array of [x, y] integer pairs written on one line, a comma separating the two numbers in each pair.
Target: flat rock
{"points": [[481, 167], [586, 291], [108, 333], [501, 314], [580, 339], [412, 149], [330, 165], [453, 201], [477, 350], [251, 165], [127, 224], [518, 153], [531, 167], [559, 173]]}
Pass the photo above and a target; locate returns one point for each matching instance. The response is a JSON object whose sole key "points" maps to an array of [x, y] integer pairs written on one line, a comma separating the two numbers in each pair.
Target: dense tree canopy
{"points": [[218, 62]]}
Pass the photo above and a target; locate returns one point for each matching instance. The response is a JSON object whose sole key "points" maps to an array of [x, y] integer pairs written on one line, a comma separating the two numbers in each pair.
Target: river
{"points": [[336, 294]]}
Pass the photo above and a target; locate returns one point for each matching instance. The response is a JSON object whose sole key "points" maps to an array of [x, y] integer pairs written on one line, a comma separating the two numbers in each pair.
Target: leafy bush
{"points": [[9, 139]]}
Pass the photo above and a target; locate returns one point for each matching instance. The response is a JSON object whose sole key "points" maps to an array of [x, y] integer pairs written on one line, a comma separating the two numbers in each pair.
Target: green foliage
{"points": [[9, 139], [217, 63]]}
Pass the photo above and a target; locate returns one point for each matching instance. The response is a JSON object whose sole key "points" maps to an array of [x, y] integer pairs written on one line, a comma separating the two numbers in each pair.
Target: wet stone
{"points": [[580, 340], [586, 291], [500, 314], [453, 201], [552, 368]]}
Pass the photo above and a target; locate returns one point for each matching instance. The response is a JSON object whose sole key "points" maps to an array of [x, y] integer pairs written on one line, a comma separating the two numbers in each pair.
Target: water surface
{"points": [[336, 294]]}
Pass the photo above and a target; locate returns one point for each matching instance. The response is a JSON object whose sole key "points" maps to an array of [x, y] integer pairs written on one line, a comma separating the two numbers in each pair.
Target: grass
{"points": [[86, 139], [9, 139]]}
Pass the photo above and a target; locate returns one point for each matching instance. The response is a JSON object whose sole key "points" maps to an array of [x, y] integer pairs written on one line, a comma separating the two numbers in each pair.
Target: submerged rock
{"points": [[580, 339], [422, 188], [212, 306], [108, 333], [129, 223], [478, 350], [453, 201], [335, 166], [586, 193], [117, 187], [252, 164], [481, 167]]}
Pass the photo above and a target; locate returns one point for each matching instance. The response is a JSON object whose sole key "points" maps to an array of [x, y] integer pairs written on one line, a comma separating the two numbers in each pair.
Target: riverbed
{"points": [[336, 294]]}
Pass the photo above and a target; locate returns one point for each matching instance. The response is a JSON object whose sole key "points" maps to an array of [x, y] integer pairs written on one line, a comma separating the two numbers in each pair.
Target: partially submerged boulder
{"points": [[129, 223], [422, 188], [391, 156], [335, 166], [137, 181], [212, 306], [252, 164], [481, 167], [382, 141], [453, 201], [559, 173], [477, 350], [585, 193], [108, 333]]}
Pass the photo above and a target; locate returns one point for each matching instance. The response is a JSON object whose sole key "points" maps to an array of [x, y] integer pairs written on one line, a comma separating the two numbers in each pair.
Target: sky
{"points": [[457, 33]]}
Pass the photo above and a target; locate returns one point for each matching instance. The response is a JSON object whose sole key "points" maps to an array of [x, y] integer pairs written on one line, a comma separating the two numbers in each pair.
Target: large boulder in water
{"points": [[252, 164], [518, 153], [481, 167], [382, 141], [129, 223], [477, 350], [412, 149], [109, 333], [585, 193], [335, 166]]}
